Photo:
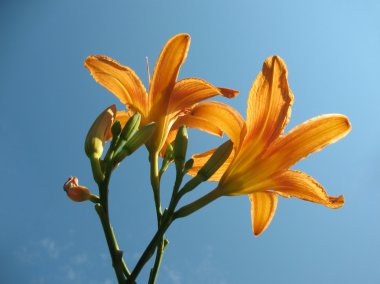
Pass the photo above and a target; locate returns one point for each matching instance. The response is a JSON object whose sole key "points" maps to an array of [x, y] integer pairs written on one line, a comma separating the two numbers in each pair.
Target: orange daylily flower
{"points": [[259, 165], [167, 99]]}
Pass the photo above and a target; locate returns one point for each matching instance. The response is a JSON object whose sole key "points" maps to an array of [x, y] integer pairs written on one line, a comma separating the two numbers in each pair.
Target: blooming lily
{"points": [[259, 165], [167, 99]]}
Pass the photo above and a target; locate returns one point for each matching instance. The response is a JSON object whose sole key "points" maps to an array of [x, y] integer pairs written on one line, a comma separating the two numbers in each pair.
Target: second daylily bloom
{"points": [[259, 165], [167, 99]]}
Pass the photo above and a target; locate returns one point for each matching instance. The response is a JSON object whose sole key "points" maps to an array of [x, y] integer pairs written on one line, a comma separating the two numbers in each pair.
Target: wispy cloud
{"points": [[173, 275], [50, 247], [80, 259]]}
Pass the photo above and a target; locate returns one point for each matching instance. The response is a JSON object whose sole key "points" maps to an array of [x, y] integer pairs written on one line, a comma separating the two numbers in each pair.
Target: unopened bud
{"points": [[136, 141], [169, 153], [116, 129], [77, 192], [216, 161], [180, 147], [97, 134], [168, 158], [188, 165], [131, 126]]}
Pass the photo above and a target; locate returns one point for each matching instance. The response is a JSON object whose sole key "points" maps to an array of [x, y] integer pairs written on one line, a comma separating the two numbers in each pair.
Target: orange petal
{"points": [[191, 122], [263, 207], [269, 104], [300, 185], [119, 80], [201, 159], [190, 91], [306, 138], [215, 118], [165, 74]]}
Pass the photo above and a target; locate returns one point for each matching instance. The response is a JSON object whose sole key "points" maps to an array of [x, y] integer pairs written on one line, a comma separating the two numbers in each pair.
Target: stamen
{"points": [[147, 68]]}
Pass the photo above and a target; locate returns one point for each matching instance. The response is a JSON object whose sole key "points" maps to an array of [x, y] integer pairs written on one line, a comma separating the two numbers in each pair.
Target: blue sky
{"points": [[48, 100]]}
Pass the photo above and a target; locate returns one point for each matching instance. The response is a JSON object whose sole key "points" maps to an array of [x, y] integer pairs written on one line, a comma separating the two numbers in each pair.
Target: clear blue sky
{"points": [[48, 100]]}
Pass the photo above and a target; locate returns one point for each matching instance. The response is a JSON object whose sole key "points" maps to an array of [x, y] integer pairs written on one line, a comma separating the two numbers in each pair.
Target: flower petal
{"points": [[215, 118], [190, 91], [269, 104], [306, 138], [119, 80], [165, 74], [263, 207], [225, 119], [300, 185], [191, 122]]}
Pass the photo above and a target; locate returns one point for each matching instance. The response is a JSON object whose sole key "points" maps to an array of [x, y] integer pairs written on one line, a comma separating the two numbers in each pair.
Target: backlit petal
{"points": [[165, 74], [119, 80], [269, 108], [210, 116], [263, 207], [190, 91], [300, 185], [306, 138], [269, 104]]}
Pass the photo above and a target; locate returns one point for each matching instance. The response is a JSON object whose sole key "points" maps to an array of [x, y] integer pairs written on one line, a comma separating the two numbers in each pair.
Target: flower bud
{"points": [[77, 192], [131, 126], [116, 129], [216, 161], [135, 142], [180, 147], [97, 134], [188, 165], [169, 153]]}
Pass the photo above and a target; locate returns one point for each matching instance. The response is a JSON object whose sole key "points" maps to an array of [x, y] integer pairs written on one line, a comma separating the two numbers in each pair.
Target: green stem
{"points": [[121, 270], [155, 181], [156, 240], [116, 254], [150, 248]]}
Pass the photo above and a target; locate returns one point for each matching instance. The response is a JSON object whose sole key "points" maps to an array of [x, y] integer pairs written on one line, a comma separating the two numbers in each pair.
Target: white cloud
{"points": [[173, 276], [71, 274], [80, 259], [50, 247]]}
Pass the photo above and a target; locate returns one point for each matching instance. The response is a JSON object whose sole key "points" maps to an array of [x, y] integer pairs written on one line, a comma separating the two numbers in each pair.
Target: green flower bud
{"points": [[136, 141], [180, 147], [169, 153], [216, 161], [97, 134], [116, 129], [188, 165], [131, 127]]}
